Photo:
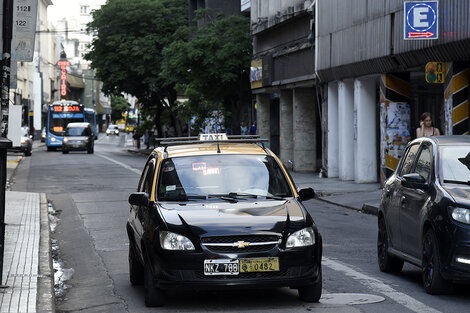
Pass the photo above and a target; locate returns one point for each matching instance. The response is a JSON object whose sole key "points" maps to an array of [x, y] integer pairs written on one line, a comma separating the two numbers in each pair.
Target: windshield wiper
{"points": [[184, 197], [461, 182], [230, 197]]}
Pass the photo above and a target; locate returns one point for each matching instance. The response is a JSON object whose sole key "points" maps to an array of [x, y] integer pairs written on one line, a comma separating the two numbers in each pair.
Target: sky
{"points": [[61, 9]]}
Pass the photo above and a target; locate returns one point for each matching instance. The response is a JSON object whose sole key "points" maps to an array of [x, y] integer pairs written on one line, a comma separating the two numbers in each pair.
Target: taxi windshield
{"points": [[218, 175]]}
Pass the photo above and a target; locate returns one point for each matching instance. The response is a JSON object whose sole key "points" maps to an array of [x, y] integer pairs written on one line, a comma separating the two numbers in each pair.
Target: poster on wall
{"points": [[396, 134]]}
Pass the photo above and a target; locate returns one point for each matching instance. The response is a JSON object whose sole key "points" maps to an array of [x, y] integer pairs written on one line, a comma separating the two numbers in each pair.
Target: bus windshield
{"points": [[58, 121]]}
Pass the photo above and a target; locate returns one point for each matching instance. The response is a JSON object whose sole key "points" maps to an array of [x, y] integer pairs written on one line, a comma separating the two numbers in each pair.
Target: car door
{"points": [[393, 194], [414, 201], [138, 216]]}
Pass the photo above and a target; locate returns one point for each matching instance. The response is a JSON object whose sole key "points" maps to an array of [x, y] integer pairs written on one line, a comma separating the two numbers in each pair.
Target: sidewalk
{"points": [[28, 278], [364, 197]]}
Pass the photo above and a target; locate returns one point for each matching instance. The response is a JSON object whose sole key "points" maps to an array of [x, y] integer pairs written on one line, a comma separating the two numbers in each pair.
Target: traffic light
{"points": [[435, 72]]}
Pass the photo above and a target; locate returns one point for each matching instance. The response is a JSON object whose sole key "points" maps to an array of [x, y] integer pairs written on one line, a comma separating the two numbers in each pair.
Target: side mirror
{"points": [[414, 180], [306, 193], [139, 199]]}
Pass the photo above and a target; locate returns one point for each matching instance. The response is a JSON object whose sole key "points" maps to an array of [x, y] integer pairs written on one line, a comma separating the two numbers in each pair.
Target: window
{"points": [[84, 9], [424, 163], [146, 179], [409, 159]]}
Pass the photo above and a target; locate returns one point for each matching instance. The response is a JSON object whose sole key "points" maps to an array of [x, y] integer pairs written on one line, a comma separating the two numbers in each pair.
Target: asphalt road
{"points": [[90, 193]]}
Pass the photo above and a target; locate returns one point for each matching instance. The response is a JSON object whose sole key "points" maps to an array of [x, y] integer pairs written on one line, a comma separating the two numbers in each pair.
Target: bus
{"points": [[90, 117], [131, 122], [59, 114]]}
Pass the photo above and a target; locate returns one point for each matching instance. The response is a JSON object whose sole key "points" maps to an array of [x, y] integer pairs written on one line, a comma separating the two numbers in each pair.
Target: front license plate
{"points": [[259, 265], [221, 267]]}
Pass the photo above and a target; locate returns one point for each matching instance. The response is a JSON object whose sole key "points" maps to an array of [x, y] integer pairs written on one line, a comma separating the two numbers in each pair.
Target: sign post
{"points": [[421, 20]]}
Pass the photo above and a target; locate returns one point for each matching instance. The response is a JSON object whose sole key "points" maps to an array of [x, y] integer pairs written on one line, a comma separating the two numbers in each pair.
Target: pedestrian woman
{"points": [[243, 129], [426, 128]]}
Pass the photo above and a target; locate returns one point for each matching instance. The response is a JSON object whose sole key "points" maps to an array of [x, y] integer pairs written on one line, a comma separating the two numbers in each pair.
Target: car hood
{"points": [[461, 195], [217, 218]]}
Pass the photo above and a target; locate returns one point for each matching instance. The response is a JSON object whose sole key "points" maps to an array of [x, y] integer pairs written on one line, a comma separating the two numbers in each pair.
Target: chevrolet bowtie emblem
{"points": [[241, 244]]}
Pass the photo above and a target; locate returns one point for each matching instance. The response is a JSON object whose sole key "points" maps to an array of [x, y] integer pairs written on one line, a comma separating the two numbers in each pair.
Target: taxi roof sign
{"points": [[213, 137]]}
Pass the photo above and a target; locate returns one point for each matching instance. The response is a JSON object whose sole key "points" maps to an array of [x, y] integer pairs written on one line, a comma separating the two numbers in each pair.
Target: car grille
{"points": [[241, 243]]}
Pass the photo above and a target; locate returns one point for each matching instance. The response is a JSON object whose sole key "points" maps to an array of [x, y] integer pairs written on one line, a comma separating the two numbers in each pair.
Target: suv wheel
{"points": [[153, 296], [312, 293], [387, 262], [136, 270], [433, 282]]}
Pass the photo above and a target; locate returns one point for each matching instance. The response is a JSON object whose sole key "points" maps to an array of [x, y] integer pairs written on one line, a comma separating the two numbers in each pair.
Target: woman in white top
{"points": [[426, 128]]}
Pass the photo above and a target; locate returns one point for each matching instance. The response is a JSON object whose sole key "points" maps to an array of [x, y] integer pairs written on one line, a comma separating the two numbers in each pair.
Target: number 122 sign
{"points": [[421, 20]]}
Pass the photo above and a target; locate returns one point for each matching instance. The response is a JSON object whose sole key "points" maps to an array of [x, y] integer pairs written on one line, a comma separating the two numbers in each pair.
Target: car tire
{"points": [[136, 270], [433, 281], [154, 296], [387, 262], [50, 148], [312, 293], [65, 151], [27, 153]]}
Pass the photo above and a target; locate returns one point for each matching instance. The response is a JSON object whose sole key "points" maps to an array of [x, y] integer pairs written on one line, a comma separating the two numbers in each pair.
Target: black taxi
{"points": [[215, 212]]}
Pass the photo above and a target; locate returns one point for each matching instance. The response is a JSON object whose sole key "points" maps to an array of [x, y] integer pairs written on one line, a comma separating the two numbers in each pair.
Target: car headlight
{"points": [[460, 214], [53, 139], [107, 131], [65, 140], [172, 241], [23, 140], [301, 238]]}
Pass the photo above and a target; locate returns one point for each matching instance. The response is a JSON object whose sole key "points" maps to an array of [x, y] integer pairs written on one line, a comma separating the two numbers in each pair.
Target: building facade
{"points": [[340, 85], [373, 62], [283, 81]]}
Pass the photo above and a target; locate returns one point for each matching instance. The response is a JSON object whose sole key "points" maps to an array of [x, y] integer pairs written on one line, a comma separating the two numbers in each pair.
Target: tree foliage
{"points": [[126, 52], [213, 63], [119, 105]]}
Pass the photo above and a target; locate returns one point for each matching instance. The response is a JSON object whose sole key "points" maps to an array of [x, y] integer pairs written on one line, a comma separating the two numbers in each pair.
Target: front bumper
{"points": [[299, 267], [455, 252], [75, 146]]}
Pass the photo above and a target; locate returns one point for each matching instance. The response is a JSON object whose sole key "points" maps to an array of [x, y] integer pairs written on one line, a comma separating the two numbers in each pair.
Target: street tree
{"points": [[212, 62], [126, 52], [119, 105]]}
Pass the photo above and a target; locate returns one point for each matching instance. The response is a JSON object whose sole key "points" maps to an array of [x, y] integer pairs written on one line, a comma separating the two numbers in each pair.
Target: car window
{"points": [[220, 175], [455, 163], [424, 163], [76, 131], [409, 159], [146, 179]]}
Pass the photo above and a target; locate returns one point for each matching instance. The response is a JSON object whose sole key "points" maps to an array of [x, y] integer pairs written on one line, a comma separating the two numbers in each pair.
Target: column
{"points": [[262, 115], [365, 141], [304, 117], [346, 130], [332, 133], [286, 128]]}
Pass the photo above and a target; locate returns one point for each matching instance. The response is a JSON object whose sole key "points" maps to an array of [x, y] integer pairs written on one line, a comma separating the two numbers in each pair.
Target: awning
{"points": [[75, 81]]}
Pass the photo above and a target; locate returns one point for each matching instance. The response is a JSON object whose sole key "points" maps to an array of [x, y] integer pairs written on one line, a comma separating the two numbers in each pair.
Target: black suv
{"points": [[210, 214]]}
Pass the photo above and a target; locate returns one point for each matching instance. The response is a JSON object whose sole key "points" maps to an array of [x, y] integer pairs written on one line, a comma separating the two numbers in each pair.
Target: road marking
{"points": [[120, 163], [379, 286]]}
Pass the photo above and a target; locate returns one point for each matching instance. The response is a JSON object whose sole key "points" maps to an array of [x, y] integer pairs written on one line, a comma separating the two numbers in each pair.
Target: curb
{"points": [[45, 302]]}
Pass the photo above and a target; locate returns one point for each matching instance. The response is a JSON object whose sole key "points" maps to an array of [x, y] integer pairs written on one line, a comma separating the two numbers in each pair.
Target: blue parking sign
{"points": [[421, 19]]}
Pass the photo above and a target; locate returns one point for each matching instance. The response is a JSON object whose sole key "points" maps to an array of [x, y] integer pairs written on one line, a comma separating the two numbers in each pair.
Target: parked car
{"points": [[216, 214], [26, 145], [112, 130], [424, 215], [78, 136]]}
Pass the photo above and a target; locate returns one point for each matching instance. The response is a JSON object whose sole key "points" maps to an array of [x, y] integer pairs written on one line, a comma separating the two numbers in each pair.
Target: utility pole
{"points": [[5, 99]]}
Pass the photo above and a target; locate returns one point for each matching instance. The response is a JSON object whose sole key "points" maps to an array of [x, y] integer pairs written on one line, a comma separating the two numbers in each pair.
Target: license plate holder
{"points": [[269, 264], [221, 267]]}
